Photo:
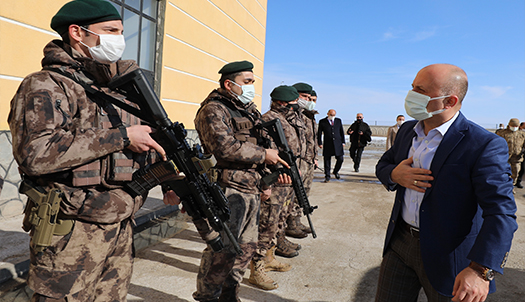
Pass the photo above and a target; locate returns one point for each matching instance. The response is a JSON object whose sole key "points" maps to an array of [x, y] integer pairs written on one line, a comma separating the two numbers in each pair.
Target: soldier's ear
{"points": [[75, 33]]}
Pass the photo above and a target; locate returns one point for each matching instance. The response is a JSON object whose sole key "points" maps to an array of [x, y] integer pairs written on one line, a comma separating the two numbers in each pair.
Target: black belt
{"points": [[412, 230]]}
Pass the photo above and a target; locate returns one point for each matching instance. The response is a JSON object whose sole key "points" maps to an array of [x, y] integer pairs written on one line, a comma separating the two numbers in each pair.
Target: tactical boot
{"points": [[284, 250], [272, 264], [292, 245], [293, 229], [230, 294], [259, 278], [301, 226]]}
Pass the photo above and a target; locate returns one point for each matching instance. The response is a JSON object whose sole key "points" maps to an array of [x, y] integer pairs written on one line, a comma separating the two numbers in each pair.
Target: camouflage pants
{"points": [[515, 168], [92, 263], [225, 269], [307, 172], [269, 222]]}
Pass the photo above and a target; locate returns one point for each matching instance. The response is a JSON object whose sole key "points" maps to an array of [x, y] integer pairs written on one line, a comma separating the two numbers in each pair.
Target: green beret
{"points": [[514, 122], [83, 12], [303, 87], [313, 93], [235, 67], [284, 93]]}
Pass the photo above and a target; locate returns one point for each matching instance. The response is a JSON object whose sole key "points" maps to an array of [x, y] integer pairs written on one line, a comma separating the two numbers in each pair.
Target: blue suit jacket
{"points": [[469, 212]]}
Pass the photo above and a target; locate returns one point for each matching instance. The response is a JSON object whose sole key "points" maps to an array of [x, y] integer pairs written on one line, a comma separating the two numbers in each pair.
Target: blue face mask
{"points": [[416, 105]]}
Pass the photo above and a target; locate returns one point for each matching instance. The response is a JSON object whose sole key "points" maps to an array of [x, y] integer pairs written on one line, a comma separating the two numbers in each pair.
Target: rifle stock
{"points": [[203, 200], [274, 128]]}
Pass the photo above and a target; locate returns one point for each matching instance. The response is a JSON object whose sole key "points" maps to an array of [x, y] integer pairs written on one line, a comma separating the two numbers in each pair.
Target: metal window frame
{"points": [[159, 21]]}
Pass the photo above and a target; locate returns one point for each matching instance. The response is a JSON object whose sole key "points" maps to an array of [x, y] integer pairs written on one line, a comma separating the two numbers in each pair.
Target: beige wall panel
{"points": [[185, 58], [7, 91], [257, 9], [182, 87], [204, 40], [182, 113], [209, 15], [191, 60], [21, 60], [263, 3], [239, 13], [36, 13]]}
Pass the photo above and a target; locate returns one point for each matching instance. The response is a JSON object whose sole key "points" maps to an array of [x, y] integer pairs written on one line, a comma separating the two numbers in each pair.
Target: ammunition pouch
{"points": [[42, 215]]}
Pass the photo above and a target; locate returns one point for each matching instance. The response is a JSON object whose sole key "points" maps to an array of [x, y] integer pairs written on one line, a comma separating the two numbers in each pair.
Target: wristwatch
{"points": [[486, 273]]}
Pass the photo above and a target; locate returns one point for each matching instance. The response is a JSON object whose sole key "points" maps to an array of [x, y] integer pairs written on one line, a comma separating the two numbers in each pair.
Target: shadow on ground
{"points": [[510, 287]]}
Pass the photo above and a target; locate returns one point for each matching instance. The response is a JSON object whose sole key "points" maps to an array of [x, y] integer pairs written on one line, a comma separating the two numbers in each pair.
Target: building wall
{"points": [[199, 37]]}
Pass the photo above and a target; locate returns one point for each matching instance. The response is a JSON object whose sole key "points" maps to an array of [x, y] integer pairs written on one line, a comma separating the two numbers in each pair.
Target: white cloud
{"points": [[391, 34], [495, 91], [425, 34]]}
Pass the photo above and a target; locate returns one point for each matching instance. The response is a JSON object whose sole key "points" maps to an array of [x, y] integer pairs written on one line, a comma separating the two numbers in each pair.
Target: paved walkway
{"points": [[341, 264]]}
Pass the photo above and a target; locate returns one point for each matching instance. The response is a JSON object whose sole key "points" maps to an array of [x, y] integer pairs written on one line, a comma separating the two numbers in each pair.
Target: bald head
{"points": [[331, 112], [449, 79]]}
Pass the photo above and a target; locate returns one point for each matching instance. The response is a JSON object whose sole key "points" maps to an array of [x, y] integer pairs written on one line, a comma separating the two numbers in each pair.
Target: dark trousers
{"points": [[355, 154], [402, 273], [520, 173], [328, 164]]}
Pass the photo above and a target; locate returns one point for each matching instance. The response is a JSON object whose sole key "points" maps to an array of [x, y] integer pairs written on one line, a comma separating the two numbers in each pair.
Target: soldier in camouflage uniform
{"points": [[62, 139], [284, 107], [307, 164], [225, 123], [516, 143]]}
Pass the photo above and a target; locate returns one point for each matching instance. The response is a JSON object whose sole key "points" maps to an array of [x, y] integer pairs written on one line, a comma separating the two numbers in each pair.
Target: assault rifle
{"points": [[274, 128], [203, 200]]}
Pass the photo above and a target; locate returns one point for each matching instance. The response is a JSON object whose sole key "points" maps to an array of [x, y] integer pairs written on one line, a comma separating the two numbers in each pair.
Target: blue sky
{"points": [[362, 56]]}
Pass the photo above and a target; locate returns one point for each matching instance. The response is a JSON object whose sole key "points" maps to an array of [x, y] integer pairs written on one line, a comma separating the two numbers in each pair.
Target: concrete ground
{"points": [[341, 264]]}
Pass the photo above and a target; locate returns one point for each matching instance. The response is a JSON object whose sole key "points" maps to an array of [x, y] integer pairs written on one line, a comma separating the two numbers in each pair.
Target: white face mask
{"points": [[109, 50], [331, 117], [311, 105], [399, 123], [416, 105], [248, 93], [513, 128], [308, 105]]}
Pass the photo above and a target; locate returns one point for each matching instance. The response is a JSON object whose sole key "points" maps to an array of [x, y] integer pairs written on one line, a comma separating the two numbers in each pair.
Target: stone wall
{"points": [[11, 202], [379, 130]]}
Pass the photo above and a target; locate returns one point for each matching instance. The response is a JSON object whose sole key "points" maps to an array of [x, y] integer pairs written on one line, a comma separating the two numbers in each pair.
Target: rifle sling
{"points": [[98, 94]]}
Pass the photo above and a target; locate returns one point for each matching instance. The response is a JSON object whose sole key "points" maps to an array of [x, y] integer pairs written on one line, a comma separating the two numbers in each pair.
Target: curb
{"points": [[149, 229]]}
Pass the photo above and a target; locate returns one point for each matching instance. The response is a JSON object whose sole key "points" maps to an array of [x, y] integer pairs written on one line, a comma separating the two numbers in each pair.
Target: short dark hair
{"points": [[399, 116], [230, 76]]}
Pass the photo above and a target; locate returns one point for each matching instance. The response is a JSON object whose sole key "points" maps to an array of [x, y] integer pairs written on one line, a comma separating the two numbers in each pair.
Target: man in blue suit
{"points": [[453, 217]]}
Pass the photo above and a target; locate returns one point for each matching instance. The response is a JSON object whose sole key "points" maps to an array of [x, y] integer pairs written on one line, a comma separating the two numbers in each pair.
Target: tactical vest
{"points": [[244, 130], [117, 167]]}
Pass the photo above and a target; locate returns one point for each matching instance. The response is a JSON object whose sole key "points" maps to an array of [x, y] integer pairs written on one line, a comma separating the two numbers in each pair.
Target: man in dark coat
{"points": [[332, 143], [360, 135]]}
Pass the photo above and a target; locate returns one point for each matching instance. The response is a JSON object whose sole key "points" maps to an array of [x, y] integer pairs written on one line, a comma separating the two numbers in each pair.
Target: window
{"points": [[140, 30]]}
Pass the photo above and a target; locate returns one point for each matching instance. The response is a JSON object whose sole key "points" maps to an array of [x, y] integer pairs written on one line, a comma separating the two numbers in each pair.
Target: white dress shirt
{"points": [[423, 150]]}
